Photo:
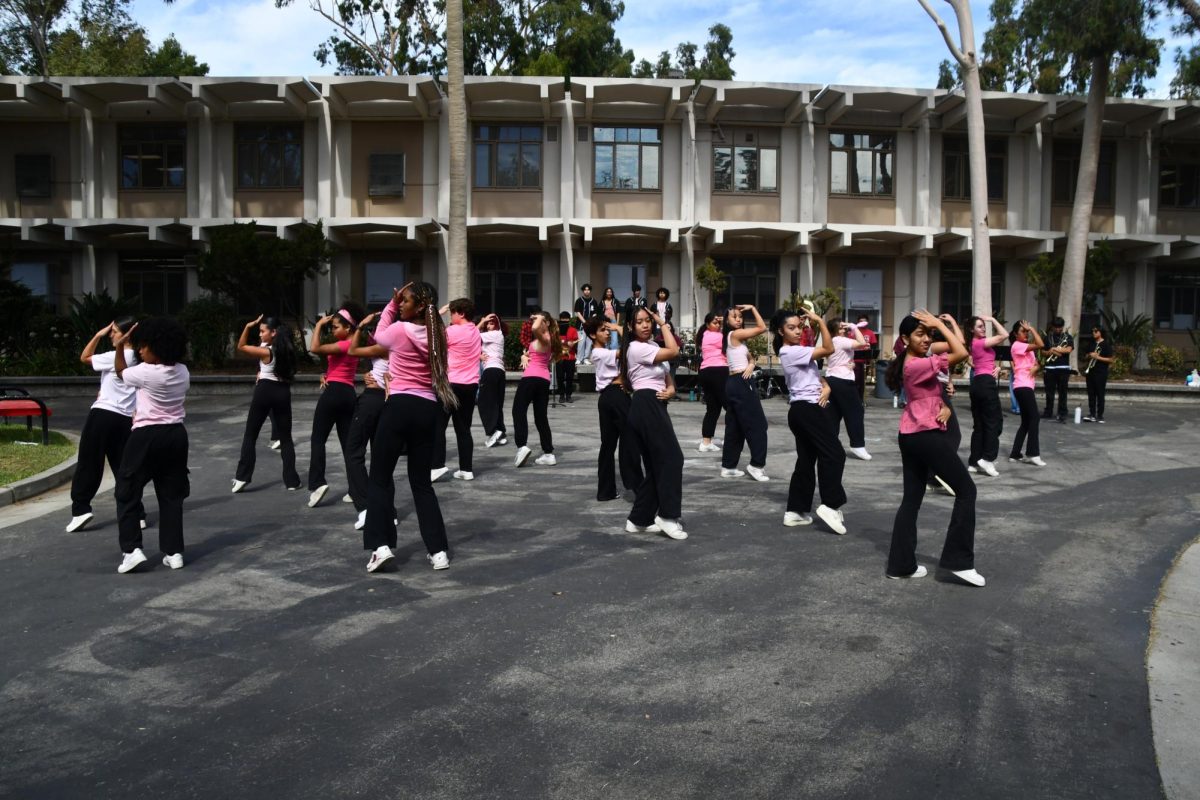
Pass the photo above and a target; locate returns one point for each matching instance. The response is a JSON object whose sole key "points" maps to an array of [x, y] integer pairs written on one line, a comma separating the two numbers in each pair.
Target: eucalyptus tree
{"points": [[456, 249]]}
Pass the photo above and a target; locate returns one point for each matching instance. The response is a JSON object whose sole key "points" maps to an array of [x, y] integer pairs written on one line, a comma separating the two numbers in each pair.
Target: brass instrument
{"points": [[1091, 361]]}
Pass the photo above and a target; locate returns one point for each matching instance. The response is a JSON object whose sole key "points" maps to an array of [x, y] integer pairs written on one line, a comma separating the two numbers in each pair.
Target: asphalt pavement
{"points": [[562, 657]]}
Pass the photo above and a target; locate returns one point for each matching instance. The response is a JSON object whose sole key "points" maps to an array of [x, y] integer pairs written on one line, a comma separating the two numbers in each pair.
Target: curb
{"points": [[44, 481]]}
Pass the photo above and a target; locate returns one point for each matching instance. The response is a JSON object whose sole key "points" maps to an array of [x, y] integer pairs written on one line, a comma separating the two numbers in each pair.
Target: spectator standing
{"points": [[586, 307]]}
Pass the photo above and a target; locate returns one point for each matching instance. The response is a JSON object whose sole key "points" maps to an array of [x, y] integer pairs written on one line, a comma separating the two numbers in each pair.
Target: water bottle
{"points": [[1078, 414], [895, 400]]}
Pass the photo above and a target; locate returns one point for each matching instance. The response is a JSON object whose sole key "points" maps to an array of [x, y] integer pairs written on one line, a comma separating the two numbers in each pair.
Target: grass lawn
{"points": [[18, 460]]}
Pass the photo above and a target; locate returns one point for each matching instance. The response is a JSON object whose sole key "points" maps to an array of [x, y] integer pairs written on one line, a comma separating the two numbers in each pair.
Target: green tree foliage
{"points": [[1044, 276], [949, 75], [715, 64], [1186, 83], [25, 30], [209, 321]]}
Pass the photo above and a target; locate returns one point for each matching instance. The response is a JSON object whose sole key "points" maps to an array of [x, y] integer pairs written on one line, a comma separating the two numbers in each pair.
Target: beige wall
{"points": [[1178, 221], [152, 204], [256, 204], [957, 214], [368, 138], [627, 205], [862, 210], [500, 203], [36, 137], [745, 208], [1103, 219]]}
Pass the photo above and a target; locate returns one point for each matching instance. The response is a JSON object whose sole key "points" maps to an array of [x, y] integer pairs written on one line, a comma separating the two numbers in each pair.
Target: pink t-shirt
{"points": [[463, 345], [538, 365], [408, 355], [341, 367], [643, 372], [1024, 361], [982, 356], [924, 393], [493, 348], [840, 363], [160, 392], [605, 362], [710, 350]]}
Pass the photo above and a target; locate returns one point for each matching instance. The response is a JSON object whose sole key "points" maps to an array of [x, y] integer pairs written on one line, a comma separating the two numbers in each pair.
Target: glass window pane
{"points": [[1062, 183], [531, 165], [130, 166], [510, 133], [292, 165], [837, 140], [531, 134], [1189, 178], [746, 169], [839, 177], [605, 134], [650, 166], [507, 164], [175, 166], [766, 292], [950, 176], [246, 153], [483, 175], [722, 169], [604, 167], [768, 174], [1104, 182], [995, 177], [622, 134], [883, 176], [651, 135], [481, 131], [627, 167], [882, 142], [289, 133], [861, 180], [269, 167], [152, 166]]}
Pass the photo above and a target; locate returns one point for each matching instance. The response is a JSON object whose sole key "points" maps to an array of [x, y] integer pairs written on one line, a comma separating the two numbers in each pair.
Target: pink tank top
{"points": [[710, 350], [538, 365]]}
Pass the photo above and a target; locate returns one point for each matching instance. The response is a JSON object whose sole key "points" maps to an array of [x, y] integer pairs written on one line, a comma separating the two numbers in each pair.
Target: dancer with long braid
{"points": [[335, 406], [419, 394], [272, 397], [744, 417]]}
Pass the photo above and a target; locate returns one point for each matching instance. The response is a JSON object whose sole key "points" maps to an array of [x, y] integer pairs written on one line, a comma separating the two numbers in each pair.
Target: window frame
{"points": [[1184, 283], [159, 148], [733, 147], [525, 266], [996, 148], [852, 149], [493, 146], [757, 271], [961, 275], [170, 270], [384, 189], [1068, 151], [612, 144], [240, 139], [1189, 158], [21, 170]]}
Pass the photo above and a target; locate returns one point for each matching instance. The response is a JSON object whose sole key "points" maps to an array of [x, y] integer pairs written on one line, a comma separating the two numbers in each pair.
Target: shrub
{"points": [[92, 312], [1166, 359], [1123, 358], [513, 349], [209, 322], [33, 340]]}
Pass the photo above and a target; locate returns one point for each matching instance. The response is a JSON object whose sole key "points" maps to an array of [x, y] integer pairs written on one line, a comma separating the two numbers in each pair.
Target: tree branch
{"points": [[1192, 9], [344, 27], [955, 51]]}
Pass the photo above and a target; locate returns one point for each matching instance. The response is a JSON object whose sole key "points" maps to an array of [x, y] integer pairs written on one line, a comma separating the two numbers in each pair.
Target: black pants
{"points": [[1097, 380], [1029, 425], [334, 407], [406, 421], [367, 409], [845, 403], [661, 490], [537, 392], [712, 381], [157, 453], [988, 419], [860, 379], [923, 454], [744, 422], [274, 399], [103, 437], [491, 400], [1057, 379], [817, 446], [565, 371], [461, 417], [613, 408]]}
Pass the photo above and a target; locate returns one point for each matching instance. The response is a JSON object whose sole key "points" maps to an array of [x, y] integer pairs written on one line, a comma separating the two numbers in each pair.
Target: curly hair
{"points": [[464, 307], [165, 337]]}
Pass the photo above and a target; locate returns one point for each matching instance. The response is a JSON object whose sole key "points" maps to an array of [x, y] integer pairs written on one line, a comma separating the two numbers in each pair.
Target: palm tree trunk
{"points": [[981, 240], [456, 252]]}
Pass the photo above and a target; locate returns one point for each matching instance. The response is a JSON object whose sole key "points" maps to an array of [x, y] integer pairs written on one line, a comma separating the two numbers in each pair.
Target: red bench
{"points": [[16, 402]]}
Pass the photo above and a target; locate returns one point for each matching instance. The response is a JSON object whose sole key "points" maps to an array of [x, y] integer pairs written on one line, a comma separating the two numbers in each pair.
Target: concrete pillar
{"points": [[325, 166], [205, 166], [343, 144]]}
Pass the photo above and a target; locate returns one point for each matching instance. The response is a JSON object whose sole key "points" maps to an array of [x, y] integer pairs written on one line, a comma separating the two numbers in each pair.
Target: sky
{"points": [[867, 43]]}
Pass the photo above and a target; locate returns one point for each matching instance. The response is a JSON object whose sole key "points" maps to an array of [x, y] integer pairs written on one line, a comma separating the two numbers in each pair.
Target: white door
{"points": [[622, 277]]}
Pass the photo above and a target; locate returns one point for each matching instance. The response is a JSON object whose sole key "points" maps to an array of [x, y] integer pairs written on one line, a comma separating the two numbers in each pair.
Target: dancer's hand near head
{"points": [[254, 322]]}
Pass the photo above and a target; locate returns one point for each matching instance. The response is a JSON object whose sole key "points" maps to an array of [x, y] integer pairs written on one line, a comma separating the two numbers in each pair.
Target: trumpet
{"points": [[1091, 362]]}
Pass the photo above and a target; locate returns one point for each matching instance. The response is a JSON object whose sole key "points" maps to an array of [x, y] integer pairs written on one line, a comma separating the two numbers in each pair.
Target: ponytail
{"points": [[895, 372], [435, 332], [283, 349], [623, 353]]}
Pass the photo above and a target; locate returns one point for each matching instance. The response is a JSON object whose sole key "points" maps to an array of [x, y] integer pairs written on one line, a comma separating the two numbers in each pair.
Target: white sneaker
{"points": [[463, 475], [491, 440], [832, 517], [731, 473], [346, 498], [546, 460], [988, 467], [945, 486], [132, 560], [708, 448], [239, 485], [174, 561], [361, 522], [380, 556], [142, 524], [969, 576], [523, 454], [794, 519], [921, 572], [274, 444], [757, 473], [1035, 460], [631, 528], [860, 453], [78, 523], [434, 474], [503, 440], [971, 469], [671, 527], [439, 560], [317, 495]]}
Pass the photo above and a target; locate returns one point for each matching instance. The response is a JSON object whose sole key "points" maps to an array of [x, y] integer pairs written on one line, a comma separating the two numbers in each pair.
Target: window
{"points": [[746, 167], [380, 278], [158, 284], [957, 288], [627, 159], [34, 277], [386, 175], [506, 284], [153, 156], [508, 156], [861, 163], [270, 156], [751, 280], [1179, 176], [1066, 172], [34, 174], [956, 170], [1177, 300]]}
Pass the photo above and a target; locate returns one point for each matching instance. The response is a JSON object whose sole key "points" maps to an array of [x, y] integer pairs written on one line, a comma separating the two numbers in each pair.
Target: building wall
{"points": [[370, 138], [53, 138]]}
